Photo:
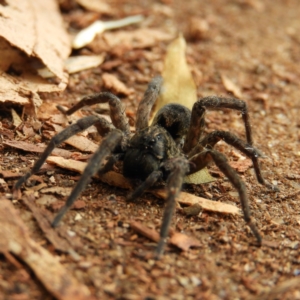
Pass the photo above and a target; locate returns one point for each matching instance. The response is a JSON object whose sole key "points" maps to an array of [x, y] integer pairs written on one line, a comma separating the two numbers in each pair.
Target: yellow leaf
{"points": [[179, 86]]}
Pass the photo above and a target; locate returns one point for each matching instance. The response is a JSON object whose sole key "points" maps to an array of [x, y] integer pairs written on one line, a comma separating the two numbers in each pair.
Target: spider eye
{"points": [[159, 137]]}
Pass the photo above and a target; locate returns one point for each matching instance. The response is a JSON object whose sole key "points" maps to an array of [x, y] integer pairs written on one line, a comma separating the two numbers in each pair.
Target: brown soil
{"points": [[257, 45]]}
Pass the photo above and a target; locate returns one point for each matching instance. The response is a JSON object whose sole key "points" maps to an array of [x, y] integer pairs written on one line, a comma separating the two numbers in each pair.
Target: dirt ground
{"points": [[257, 45]]}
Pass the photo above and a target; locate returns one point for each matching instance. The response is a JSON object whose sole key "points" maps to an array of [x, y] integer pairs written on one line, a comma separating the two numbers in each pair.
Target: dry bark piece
{"points": [[15, 238], [111, 178], [189, 199], [78, 141], [35, 148]]}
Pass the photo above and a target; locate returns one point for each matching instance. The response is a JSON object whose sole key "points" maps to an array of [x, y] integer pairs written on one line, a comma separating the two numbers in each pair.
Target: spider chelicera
{"points": [[171, 148]]}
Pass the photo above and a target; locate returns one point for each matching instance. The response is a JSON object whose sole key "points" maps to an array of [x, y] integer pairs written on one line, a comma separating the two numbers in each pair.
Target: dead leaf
{"points": [[15, 238], [16, 119], [36, 29], [230, 86], [178, 86], [280, 289], [111, 82], [76, 64]]}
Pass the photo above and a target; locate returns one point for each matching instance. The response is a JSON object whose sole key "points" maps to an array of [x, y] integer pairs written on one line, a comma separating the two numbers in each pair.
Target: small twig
{"points": [[85, 36]]}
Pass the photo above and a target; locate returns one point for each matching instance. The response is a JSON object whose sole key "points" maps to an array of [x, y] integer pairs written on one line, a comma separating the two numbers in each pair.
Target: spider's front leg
{"points": [[75, 128], [108, 145], [176, 169], [197, 127]]}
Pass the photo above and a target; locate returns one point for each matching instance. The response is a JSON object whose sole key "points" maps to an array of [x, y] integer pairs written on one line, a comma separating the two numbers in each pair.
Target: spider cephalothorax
{"points": [[172, 147]]}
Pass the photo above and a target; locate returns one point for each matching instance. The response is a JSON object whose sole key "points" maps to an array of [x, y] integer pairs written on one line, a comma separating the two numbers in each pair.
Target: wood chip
{"points": [[111, 82], [14, 237], [183, 241], [149, 233], [78, 141], [189, 199], [230, 86]]}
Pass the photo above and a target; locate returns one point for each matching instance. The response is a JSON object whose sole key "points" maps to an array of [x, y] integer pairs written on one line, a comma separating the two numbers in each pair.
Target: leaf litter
{"points": [[223, 267]]}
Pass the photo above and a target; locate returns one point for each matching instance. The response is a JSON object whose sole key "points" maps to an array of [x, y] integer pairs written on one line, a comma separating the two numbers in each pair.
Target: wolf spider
{"points": [[172, 147]]}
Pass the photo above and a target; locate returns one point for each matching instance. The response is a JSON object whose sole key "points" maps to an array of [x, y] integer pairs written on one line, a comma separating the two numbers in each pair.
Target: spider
{"points": [[173, 146]]}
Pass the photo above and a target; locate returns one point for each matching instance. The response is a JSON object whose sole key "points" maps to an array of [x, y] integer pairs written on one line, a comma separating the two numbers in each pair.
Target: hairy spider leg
{"points": [[145, 185], [108, 145], [216, 103], [207, 155], [77, 127], [214, 137], [117, 110], [146, 104], [176, 169]]}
